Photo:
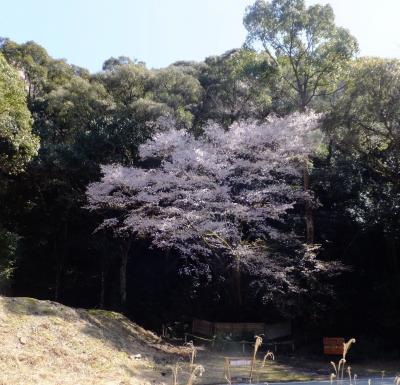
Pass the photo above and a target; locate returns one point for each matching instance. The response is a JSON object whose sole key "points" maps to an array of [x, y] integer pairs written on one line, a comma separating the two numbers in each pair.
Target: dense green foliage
{"points": [[47, 245], [304, 44], [17, 143]]}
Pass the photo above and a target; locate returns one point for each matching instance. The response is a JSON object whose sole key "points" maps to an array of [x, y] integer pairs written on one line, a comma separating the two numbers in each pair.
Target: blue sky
{"points": [[159, 32]]}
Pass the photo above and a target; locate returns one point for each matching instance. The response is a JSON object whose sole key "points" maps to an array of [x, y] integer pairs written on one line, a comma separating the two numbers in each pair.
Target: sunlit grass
{"points": [[47, 343]]}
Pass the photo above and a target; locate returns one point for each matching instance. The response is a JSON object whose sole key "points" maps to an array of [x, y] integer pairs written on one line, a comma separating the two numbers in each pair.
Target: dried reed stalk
{"points": [[257, 344], [349, 373], [268, 355], [197, 371], [339, 369], [346, 346], [175, 370], [341, 364], [193, 351]]}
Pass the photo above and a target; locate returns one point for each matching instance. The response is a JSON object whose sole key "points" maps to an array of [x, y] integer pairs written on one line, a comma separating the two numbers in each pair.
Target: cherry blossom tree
{"points": [[223, 196]]}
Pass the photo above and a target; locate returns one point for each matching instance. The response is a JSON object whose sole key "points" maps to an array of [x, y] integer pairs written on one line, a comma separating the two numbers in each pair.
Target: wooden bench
{"points": [[276, 344], [333, 346], [241, 364]]}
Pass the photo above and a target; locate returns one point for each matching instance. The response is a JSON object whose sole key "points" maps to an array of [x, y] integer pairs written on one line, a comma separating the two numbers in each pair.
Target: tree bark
{"points": [[58, 278], [237, 283], [308, 210], [309, 216], [122, 272], [102, 284], [61, 258]]}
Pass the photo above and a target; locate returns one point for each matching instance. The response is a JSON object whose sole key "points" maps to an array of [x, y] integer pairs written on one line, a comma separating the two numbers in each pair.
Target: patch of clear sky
{"points": [[160, 32]]}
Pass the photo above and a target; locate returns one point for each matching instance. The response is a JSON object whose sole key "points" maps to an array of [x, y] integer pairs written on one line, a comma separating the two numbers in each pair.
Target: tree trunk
{"points": [[61, 258], [58, 279], [122, 272], [391, 253], [59, 268], [309, 217], [303, 97], [237, 283], [308, 214], [102, 283], [122, 279]]}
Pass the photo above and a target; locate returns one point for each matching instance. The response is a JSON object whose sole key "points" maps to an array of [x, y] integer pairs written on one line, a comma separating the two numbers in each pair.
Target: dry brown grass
{"points": [[193, 351], [46, 343], [257, 345], [339, 369], [269, 355]]}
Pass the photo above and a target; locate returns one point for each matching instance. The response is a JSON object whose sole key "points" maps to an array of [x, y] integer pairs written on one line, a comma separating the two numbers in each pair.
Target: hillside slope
{"points": [[46, 343]]}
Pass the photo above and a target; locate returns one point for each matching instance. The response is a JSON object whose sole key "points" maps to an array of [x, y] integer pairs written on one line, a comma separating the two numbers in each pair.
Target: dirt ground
{"points": [[46, 343], [286, 368]]}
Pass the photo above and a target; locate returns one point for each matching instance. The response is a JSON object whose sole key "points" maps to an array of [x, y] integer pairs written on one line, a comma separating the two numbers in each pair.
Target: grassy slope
{"points": [[45, 343]]}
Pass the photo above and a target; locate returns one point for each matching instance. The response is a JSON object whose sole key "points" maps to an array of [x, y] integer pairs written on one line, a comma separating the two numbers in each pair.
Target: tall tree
{"points": [[178, 90], [41, 72], [309, 51], [221, 198], [304, 43], [18, 145], [127, 82], [237, 87], [73, 110], [17, 142], [364, 126]]}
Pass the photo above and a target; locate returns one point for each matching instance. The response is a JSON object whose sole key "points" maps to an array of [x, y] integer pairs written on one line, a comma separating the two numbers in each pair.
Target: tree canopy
{"points": [[224, 195], [304, 44], [17, 142], [198, 176]]}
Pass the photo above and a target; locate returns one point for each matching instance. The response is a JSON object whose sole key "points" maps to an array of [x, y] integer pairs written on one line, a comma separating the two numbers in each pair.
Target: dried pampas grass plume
{"points": [[268, 355], [347, 345]]}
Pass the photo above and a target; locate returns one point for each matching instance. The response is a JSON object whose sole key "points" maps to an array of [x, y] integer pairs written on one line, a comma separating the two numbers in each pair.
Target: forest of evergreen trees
{"points": [[59, 124]]}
